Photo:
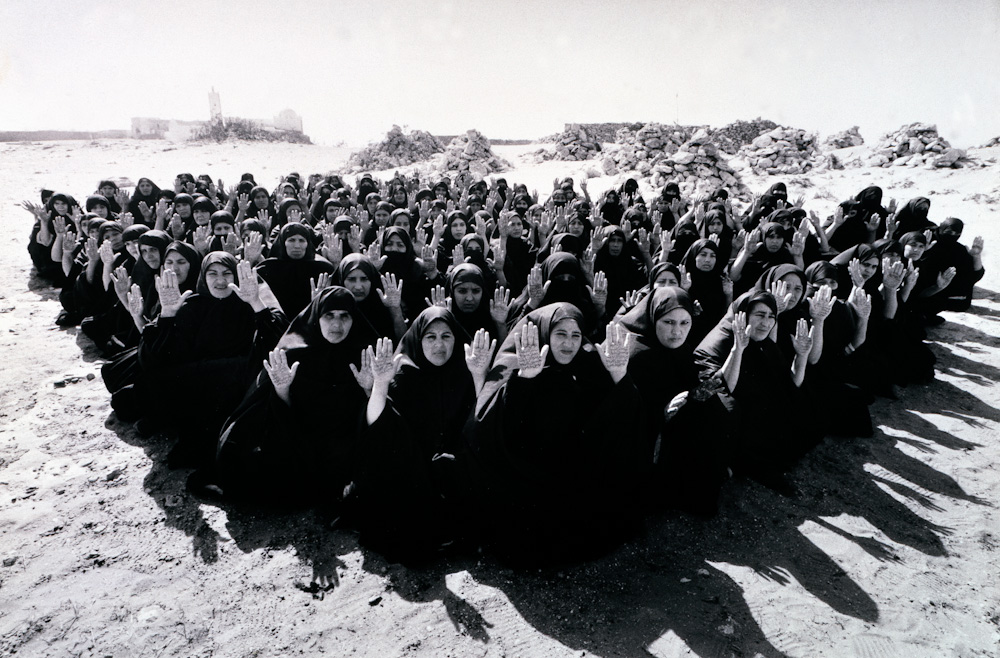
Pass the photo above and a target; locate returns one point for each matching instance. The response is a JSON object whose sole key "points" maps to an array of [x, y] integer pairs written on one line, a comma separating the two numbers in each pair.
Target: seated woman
{"points": [[558, 438], [763, 248], [772, 419], [561, 279], [293, 264], [475, 304], [280, 444], [622, 263], [216, 338], [400, 264], [683, 436], [379, 303], [951, 270], [710, 287], [412, 480]]}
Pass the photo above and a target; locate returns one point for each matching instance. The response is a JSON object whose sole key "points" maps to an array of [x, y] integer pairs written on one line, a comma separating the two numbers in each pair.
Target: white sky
{"points": [[511, 68]]}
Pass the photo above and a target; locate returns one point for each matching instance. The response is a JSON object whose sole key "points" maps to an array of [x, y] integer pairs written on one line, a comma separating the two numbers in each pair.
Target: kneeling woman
{"points": [[557, 435], [293, 435], [684, 439], [198, 358], [412, 476], [772, 419]]}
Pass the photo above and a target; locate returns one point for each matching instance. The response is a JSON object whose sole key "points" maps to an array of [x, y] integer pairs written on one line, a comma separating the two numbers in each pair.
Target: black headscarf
{"points": [[913, 216], [371, 306], [289, 279], [480, 318]]}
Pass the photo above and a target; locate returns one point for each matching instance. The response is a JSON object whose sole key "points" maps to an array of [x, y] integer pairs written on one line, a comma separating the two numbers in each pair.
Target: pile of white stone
{"points": [[845, 139], [993, 142], [915, 145], [782, 151], [470, 152], [396, 150], [699, 167], [643, 149], [572, 144], [730, 138]]}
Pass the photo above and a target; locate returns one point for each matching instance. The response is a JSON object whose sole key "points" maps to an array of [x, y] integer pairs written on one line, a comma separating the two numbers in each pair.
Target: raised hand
{"points": [[499, 305], [276, 366], [265, 218], [177, 227], [861, 302], [708, 388], [458, 255], [230, 244], [741, 331], [781, 295], [58, 224], [169, 293], [253, 249], [438, 297], [536, 289], [854, 269], [802, 341], [614, 351], [588, 261], [753, 241], [479, 353], [675, 405], [383, 363], [333, 248], [354, 238], [392, 291], [977, 246], [890, 226], [838, 216], [126, 219], [363, 374], [727, 286], [319, 284], [530, 359], [162, 210], [798, 244], [631, 299], [134, 302], [92, 249], [892, 273], [911, 276], [122, 283], [146, 211], [821, 304], [106, 253], [243, 202], [202, 239], [945, 278], [248, 289], [643, 241], [685, 277], [599, 293], [499, 255]]}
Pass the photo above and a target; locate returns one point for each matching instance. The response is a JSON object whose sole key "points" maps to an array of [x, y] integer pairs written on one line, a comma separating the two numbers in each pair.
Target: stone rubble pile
{"points": [[470, 152], [643, 149], [993, 142], [732, 137], [915, 145], [845, 139], [782, 151], [572, 144], [698, 166], [396, 150]]}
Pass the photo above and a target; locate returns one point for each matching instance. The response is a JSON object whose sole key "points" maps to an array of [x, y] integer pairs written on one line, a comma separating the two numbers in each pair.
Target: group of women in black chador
{"points": [[438, 363]]}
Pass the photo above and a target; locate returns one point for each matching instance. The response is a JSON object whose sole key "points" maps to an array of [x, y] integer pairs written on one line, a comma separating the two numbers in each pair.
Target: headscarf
{"points": [[192, 256], [282, 217], [479, 318], [304, 331], [138, 197], [252, 210], [642, 318], [371, 306], [412, 350], [215, 258], [290, 230], [913, 216]]}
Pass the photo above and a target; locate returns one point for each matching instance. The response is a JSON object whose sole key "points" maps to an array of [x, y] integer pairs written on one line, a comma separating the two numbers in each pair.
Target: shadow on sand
{"points": [[666, 578]]}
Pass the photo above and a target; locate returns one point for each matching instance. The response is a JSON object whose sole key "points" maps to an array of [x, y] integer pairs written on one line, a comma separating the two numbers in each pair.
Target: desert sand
{"points": [[892, 548]]}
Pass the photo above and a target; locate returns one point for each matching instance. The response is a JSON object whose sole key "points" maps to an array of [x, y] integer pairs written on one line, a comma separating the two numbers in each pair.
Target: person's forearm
{"points": [[891, 302], [106, 275], [398, 322], [736, 271], [817, 349], [860, 333], [730, 370], [799, 370], [376, 403]]}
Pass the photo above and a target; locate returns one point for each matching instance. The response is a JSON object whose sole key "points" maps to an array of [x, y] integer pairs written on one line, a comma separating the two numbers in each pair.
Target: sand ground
{"points": [[892, 548]]}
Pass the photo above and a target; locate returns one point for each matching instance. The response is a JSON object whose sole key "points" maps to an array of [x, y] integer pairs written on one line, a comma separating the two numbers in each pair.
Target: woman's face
{"points": [[294, 214], [399, 196], [914, 251], [673, 328], [145, 188], [473, 247], [183, 209], [217, 278], [381, 217], [521, 206], [132, 247], [514, 227], [359, 284], [60, 207], [440, 193], [115, 238], [100, 210], [202, 217], [715, 226], [438, 343], [395, 245], [260, 200], [773, 242], [760, 319], [575, 227], [335, 325], [558, 198], [893, 257], [819, 283], [151, 255], [615, 245], [869, 267], [108, 190], [403, 222], [222, 229], [331, 213], [705, 260], [666, 278], [179, 265], [565, 340], [296, 247], [370, 205], [536, 215], [458, 228], [467, 296], [793, 287]]}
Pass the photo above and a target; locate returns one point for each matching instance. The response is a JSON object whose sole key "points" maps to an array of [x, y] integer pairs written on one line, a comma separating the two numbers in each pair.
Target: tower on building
{"points": [[214, 104]]}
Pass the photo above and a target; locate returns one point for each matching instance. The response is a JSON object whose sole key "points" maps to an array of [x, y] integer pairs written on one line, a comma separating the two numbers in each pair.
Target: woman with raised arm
{"points": [[413, 479], [378, 296], [198, 358], [293, 436], [772, 417], [293, 264], [558, 438]]}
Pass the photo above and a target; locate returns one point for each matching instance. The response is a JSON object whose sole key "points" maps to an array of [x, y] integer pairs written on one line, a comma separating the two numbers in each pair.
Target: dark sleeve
{"points": [[164, 341], [271, 325]]}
